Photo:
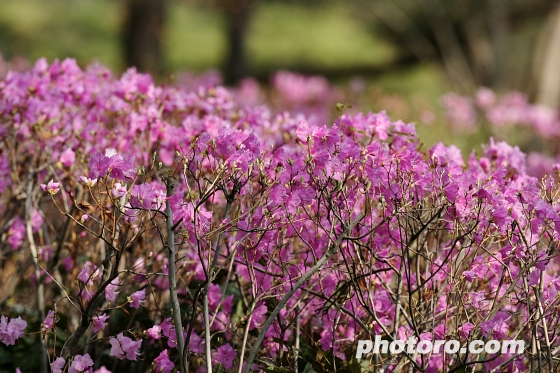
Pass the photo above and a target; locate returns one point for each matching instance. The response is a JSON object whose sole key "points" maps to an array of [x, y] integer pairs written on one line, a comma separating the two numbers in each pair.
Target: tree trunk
{"points": [[143, 34], [237, 14], [546, 70]]}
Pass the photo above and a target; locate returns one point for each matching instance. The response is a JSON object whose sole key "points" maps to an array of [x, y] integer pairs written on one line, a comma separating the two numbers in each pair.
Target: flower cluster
{"points": [[235, 237]]}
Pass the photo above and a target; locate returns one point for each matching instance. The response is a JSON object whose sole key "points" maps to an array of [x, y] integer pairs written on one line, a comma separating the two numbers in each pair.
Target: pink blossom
{"points": [[154, 332], [124, 347], [103, 369], [10, 332], [111, 290], [49, 321], [68, 157], [163, 364], [57, 366], [88, 181], [81, 364], [137, 298], [225, 356], [118, 190], [16, 233], [51, 187], [99, 322]]}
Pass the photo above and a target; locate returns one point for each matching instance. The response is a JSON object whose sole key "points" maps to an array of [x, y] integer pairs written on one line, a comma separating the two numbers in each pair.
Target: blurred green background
{"points": [[408, 52]]}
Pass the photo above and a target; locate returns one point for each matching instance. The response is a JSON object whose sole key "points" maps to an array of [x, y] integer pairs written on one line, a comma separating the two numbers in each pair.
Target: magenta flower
{"points": [[168, 330], [124, 347], [16, 233], [111, 290], [49, 322], [154, 332], [57, 366], [225, 356], [163, 364], [137, 298], [86, 275], [259, 316], [81, 364], [11, 331], [103, 369], [118, 190], [51, 187], [143, 195], [89, 182], [465, 329], [68, 157], [99, 322], [117, 166]]}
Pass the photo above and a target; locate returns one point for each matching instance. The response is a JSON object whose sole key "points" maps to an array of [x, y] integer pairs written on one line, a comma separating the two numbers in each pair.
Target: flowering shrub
{"points": [[486, 109], [161, 229]]}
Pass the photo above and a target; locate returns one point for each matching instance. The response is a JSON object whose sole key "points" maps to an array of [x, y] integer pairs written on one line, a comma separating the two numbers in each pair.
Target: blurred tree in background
{"points": [[143, 33]]}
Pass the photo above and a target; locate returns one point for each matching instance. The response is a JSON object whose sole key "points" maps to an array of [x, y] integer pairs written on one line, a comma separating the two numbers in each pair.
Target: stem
{"points": [[170, 184], [34, 254], [320, 263]]}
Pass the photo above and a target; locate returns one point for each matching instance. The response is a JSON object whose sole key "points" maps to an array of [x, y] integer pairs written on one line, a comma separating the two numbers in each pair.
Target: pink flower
{"points": [[89, 182], [117, 166], [10, 332], [16, 233], [111, 290], [99, 322], [163, 364], [225, 356], [51, 187], [259, 316], [102, 370], [68, 157], [81, 364], [49, 321], [154, 332], [124, 347], [118, 190], [465, 329], [57, 366], [137, 298], [85, 275]]}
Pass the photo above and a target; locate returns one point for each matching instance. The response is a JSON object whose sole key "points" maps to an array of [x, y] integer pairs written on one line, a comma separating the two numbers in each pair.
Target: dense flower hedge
{"points": [[154, 228]]}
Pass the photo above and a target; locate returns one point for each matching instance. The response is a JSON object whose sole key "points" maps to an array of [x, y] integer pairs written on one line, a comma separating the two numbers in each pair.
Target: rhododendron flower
{"points": [[163, 364], [103, 369], [118, 190], [49, 321], [259, 316], [86, 275], [137, 298], [68, 157], [36, 221], [154, 332], [124, 347], [89, 182], [57, 366], [225, 356], [116, 165], [99, 322], [111, 290], [465, 329], [16, 233], [81, 364], [51, 187], [11, 331]]}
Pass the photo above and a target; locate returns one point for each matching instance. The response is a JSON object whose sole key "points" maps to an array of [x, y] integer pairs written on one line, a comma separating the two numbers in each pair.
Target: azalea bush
{"points": [[153, 228], [537, 126]]}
